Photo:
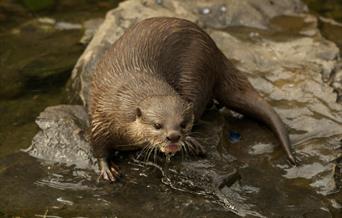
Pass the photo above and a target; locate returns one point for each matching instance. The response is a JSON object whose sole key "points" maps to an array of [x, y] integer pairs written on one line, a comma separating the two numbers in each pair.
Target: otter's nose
{"points": [[173, 137]]}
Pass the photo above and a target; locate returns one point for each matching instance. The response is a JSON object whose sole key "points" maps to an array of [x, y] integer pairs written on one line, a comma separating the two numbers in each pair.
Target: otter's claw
{"points": [[110, 173], [195, 146]]}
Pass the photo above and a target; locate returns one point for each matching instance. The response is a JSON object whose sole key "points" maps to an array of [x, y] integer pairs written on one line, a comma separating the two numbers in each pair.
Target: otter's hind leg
{"points": [[234, 91]]}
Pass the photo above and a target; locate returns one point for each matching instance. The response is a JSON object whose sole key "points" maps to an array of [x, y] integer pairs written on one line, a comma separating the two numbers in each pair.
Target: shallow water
{"points": [[31, 188]]}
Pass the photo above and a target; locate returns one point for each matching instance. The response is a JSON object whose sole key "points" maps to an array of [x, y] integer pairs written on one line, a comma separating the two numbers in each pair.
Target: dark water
{"points": [[36, 60], [331, 8]]}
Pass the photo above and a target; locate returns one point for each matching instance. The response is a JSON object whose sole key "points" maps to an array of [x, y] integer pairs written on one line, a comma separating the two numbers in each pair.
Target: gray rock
{"points": [[222, 14], [290, 72], [261, 148], [62, 136], [91, 27], [67, 26], [336, 81]]}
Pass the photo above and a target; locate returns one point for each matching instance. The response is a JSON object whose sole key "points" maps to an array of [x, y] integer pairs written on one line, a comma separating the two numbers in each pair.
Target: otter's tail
{"points": [[234, 91]]}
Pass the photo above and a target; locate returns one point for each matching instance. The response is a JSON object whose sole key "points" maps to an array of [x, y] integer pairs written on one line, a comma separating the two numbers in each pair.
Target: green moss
{"points": [[331, 8], [37, 5]]}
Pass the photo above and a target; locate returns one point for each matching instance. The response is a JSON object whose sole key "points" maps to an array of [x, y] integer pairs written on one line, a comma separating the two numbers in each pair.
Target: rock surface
{"points": [[286, 59], [62, 137]]}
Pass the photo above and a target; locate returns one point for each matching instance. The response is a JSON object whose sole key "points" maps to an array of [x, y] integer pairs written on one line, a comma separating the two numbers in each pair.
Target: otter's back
{"points": [[172, 49]]}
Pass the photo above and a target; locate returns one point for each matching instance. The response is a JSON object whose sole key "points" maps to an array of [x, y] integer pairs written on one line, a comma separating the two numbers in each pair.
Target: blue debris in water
{"points": [[234, 136]]}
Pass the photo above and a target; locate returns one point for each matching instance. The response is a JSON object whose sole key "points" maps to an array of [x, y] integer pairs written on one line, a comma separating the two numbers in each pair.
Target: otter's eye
{"points": [[157, 125], [183, 125]]}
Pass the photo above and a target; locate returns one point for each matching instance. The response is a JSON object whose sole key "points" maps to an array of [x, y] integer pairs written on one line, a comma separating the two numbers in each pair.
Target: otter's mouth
{"points": [[170, 148]]}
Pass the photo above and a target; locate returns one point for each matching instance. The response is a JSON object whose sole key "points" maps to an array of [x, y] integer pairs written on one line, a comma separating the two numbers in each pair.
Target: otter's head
{"points": [[164, 122]]}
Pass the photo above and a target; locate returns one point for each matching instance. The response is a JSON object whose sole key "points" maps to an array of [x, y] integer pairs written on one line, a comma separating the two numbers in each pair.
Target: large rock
{"points": [[62, 137]]}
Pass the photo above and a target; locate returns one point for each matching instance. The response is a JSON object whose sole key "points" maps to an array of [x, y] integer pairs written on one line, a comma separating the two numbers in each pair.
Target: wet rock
{"points": [[336, 81], [68, 26], [62, 136], [261, 148], [52, 24], [222, 14], [212, 179], [326, 184], [305, 171], [289, 74], [90, 28]]}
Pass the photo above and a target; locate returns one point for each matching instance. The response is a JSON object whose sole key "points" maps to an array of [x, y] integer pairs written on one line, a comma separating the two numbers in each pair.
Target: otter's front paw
{"points": [[195, 147], [108, 172]]}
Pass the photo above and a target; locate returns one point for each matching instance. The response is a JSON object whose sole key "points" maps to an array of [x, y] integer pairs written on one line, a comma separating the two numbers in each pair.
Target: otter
{"points": [[155, 82]]}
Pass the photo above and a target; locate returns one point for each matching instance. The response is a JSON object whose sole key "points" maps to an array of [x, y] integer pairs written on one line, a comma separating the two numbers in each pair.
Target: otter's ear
{"points": [[138, 112]]}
